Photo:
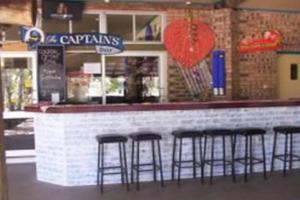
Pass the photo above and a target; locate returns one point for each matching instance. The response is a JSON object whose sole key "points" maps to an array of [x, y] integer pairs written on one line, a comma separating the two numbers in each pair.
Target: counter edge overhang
{"points": [[83, 108]]}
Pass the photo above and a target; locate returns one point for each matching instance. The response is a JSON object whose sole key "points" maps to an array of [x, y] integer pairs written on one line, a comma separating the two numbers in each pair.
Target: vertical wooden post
{"points": [[3, 175]]}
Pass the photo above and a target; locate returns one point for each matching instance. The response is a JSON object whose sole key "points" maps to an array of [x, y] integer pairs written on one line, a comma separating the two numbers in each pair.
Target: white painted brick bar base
{"points": [[66, 147]]}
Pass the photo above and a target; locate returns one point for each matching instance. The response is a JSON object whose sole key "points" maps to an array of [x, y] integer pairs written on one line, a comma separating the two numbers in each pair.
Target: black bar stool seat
{"points": [[138, 167], [223, 134], [186, 134], [218, 132], [248, 133], [145, 136], [287, 129], [288, 156], [101, 168], [111, 138]]}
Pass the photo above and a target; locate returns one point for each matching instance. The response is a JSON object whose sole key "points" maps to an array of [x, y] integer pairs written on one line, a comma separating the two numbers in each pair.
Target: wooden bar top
{"points": [[82, 108]]}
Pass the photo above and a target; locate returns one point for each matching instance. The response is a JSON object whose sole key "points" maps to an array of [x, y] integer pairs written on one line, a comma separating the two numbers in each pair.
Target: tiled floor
{"points": [[24, 186]]}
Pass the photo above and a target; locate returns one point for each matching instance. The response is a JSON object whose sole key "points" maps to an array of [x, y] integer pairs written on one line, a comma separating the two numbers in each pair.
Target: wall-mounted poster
{"points": [[51, 72], [269, 41]]}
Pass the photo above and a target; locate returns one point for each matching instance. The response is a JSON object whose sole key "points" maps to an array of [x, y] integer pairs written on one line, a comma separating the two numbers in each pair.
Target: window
{"points": [[55, 26], [19, 89], [132, 79], [88, 23], [120, 25], [148, 28], [294, 71], [136, 27], [83, 87], [17, 84], [131, 27]]}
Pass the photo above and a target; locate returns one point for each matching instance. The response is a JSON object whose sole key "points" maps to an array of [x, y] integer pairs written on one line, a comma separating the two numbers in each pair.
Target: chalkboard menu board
{"points": [[51, 72]]}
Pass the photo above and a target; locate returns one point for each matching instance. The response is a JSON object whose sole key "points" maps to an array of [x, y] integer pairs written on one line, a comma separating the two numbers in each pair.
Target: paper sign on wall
{"points": [[92, 68]]}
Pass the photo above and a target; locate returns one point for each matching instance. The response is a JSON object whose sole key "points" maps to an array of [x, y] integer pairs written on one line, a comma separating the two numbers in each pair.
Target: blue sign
{"points": [[106, 44], [32, 36], [218, 71]]}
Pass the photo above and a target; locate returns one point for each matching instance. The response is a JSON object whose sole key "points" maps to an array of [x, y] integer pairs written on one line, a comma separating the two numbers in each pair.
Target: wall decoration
{"points": [[32, 36], [218, 71], [188, 40], [198, 79], [269, 41]]}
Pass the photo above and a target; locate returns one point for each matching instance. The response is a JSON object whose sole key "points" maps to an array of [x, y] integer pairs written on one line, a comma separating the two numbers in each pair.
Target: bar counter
{"points": [[77, 108], [66, 148]]}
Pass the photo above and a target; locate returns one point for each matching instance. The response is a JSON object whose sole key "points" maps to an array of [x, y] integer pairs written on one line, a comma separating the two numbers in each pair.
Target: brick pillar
{"points": [[225, 26], [235, 74]]}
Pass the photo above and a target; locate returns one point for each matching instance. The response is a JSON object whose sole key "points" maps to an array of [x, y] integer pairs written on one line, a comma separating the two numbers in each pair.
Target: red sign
{"points": [[271, 41]]}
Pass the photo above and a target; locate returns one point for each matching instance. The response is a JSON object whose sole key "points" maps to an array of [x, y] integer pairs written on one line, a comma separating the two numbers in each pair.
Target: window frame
{"points": [[103, 22], [162, 69], [33, 56]]}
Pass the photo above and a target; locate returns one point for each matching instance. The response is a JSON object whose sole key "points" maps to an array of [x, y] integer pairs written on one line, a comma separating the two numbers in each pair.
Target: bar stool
{"points": [[248, 134], [136, 166], [112, 139], [287, 156], [186, 134], [222, 134]]}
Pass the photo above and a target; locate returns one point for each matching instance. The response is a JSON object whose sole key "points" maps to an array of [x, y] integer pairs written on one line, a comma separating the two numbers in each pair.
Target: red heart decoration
{"points": [[188, 42]]}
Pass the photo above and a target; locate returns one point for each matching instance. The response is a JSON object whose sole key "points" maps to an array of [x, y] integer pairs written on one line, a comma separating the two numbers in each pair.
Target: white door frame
{"points": [[23, 54]]}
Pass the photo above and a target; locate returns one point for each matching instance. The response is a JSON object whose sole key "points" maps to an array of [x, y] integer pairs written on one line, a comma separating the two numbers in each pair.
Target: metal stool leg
{"points": [[194, 157], [291, 151], [264, 155], [179, 161], [232, 140], [285, 154], [201, 160], [224, 154], [121, 162], [132, 162], [251, 154], [173, 157], [98, 164], [212, 158], [160, 165], [246, 159], [153, 160], [102, 166], [274, 151], [138, 166], [125, 166]]}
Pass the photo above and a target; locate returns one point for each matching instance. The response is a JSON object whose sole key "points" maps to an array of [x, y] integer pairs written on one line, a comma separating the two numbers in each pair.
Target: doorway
{"points": [[289, 76], [19, 89]]}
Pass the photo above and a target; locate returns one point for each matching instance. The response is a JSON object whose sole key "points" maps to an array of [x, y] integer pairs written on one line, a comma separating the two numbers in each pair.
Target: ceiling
{"points": [[280, 5]]}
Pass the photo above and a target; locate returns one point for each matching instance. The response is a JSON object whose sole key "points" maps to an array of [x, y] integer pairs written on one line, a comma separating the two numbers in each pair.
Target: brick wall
{"points": [[222, 24], [249, 76], [67, 154], [258, 71]]}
